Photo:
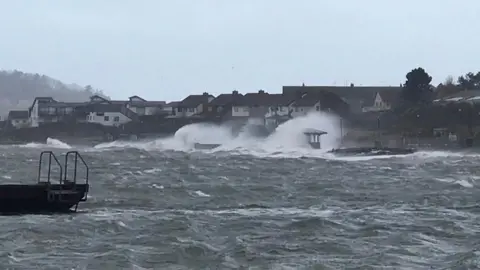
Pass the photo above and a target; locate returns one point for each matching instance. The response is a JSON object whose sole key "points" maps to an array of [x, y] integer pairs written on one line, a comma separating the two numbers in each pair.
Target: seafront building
{"points": [[267, 108]]}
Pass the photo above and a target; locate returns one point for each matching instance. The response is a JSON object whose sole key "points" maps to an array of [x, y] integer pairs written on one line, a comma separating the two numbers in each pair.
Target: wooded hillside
{"points": [[19, 89]]}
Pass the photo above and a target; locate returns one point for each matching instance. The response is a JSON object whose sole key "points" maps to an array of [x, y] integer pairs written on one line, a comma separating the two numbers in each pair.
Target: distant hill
{"points": [[19, 89]]}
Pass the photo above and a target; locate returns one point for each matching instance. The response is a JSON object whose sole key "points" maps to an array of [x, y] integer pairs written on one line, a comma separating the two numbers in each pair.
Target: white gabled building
{"points": [[193, 105], [108, 112], [98, 110], [383, 101], [309, 102]]}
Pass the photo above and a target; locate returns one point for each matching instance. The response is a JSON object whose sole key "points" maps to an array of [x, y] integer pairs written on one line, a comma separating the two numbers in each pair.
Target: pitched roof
{"points": [[136, 97], [307, 100], [390, 97], [310, 99], [261, 98], [361, 92], [147, 103], [225, 99], [195, 100], [173, 103], [12, 115], [357, 96], [462, 96], [57, 104]]}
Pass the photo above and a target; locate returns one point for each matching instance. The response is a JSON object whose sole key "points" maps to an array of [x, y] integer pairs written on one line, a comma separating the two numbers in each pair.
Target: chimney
{"points": [[235, 92], [205, 93], [352, 85], [261, 92]]}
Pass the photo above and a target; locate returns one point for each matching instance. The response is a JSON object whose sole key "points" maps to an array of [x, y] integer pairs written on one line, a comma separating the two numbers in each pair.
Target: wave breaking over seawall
{"points": [[288, 137]]}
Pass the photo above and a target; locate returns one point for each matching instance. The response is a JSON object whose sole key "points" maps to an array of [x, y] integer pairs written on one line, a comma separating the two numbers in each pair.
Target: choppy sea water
{"points": [[252, 203], [152, 209]]}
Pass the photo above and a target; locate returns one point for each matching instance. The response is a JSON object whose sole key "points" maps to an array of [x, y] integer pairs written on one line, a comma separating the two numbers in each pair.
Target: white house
{"points": [[192, 105], [263, 108], [107, 115], [18, 119], [306, 105], [262, 104], [170, 108], [239, 110], [383, 101], [225, 106], [108, 112]]}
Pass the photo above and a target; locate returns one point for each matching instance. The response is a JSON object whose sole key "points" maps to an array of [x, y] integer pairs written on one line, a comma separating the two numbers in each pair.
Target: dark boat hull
{"points": [[41, 198], [206, 146], [373, 151]]}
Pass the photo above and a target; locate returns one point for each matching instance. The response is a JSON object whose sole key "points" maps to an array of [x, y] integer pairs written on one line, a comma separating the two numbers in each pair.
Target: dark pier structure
{"points": [[47, 196], [313, 139]]}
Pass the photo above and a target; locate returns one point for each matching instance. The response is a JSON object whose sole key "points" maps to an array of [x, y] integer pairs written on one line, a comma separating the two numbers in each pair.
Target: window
{"points": [[179, 109], [296, 109], [245, 109], [317, 108], [100, 114], [106, 118], [141, 111], [191, 109], [116, 118], [235, 109], [210, 108]]}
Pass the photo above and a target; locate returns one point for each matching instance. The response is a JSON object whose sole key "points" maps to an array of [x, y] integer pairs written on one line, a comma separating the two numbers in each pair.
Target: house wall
{"points": [[279, 111], [20, 123], [304, 110], [144, 110], [240, 111], [107, 118], [34, 115], [40, 108], [187, 112], [199, 109], [55, 113]]}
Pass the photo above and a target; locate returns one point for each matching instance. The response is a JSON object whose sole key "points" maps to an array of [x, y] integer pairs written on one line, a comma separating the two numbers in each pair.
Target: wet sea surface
{"points": [[173, 210]]}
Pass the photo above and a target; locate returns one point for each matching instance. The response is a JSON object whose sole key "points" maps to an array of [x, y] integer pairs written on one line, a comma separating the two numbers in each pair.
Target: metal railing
{"points": [[51, 156]]}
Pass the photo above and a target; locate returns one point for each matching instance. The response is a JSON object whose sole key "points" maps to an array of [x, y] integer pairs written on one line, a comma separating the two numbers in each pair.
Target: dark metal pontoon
{"points": [[46, 196]]}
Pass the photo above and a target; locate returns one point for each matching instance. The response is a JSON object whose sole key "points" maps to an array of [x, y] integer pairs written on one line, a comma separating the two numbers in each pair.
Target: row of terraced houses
{"points": [[294, 101]]}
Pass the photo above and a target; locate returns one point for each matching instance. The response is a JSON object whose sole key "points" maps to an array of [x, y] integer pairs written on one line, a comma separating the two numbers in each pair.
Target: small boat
{"points": [[205, 146], [46, 196]]}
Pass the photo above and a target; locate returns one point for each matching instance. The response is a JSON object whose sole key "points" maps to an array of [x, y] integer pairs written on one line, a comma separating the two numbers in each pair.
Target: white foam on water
{"points": [[50, 143], [287, 141]]}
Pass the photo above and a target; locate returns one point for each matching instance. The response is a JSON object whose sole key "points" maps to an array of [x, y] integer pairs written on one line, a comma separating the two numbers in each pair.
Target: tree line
{"points": [[418, 88], [417, 109], [18, 89]]}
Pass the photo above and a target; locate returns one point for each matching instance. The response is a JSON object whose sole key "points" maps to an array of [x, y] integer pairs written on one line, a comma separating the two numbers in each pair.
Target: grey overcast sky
{"points": [[167, 49]]}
